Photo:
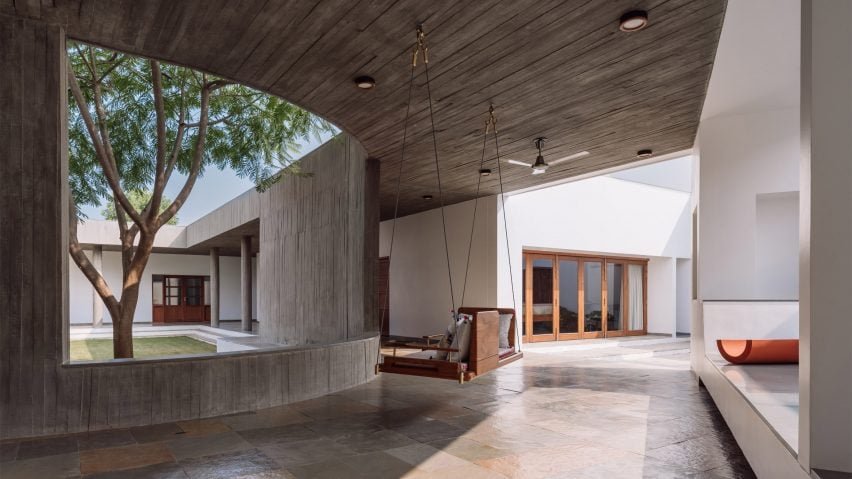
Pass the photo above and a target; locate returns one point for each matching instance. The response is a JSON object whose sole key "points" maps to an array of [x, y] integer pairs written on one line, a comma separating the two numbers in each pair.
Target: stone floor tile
{"points": [[426, 457], [54, 467], [207, 445], [551, 462], [104, 439], [281, 434], [306, 452], [230, 465], [166, 470], [157, 432], [702, 454], [372, 441], [378, 465], [8, 451], [470, 471], [280, 416], [124, 457], [468, 449], [203, 427], [52, 446], [425, 430]]}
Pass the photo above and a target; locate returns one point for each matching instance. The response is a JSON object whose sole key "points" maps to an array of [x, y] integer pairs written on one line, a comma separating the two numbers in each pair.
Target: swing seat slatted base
{"points": [[485, 355]]}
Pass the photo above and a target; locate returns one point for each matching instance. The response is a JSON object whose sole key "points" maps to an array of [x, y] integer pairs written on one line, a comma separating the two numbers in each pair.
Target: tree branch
{"points": [[160, 171], [198, 157], [110, 172]]}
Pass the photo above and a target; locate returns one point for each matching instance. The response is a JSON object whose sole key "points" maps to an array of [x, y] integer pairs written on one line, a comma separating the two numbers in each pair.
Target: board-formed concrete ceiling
{"points": [[555, 68]]}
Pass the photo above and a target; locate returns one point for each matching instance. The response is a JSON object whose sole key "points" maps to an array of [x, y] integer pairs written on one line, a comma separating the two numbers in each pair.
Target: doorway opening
{"points": [[180, 299]]}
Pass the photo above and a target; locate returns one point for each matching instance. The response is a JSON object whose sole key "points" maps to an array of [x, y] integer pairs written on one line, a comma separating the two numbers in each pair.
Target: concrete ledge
{"points": [[141, 392], [767, 453]]}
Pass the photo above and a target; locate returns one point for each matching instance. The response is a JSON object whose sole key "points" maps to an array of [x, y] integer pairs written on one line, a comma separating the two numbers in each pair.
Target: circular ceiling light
{"points": [[633, 21], [365, 82], [646, 153], [427, 197], [485, 172]]}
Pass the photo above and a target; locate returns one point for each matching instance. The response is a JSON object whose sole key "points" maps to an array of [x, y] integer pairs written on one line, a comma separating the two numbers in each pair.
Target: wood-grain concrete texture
{"points": [[319, 247], [39, 395], [554, 68]]}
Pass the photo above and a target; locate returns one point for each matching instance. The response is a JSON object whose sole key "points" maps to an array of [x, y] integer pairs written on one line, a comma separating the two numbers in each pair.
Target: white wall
{"points": [[662, 296], [420, 300], [601, 215], [684, 295], [743, 156], [80, 290], [777, 245]]}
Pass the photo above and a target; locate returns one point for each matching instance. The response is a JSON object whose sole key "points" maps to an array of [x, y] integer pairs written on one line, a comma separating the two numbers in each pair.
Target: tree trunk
{"points": [[122, 332]]}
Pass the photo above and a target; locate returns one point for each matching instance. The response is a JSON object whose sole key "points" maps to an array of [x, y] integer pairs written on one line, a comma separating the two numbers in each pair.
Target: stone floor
{"points": [[553, 414]]}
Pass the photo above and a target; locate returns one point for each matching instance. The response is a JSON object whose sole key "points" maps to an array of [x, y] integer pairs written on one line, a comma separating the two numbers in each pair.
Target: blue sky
{"points": [[211, 191]]}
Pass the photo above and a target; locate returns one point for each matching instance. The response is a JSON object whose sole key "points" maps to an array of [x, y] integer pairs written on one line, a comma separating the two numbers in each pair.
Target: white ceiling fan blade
{"points": [[568, 158], [519, 163]]}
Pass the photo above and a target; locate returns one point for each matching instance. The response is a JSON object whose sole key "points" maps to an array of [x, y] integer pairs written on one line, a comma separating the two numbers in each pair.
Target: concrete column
{"points": [[825, 258], [245, 281], [97, 302], [214, 287]]}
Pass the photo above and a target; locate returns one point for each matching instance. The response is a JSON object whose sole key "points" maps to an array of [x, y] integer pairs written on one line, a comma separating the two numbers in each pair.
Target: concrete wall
{"points": [[80, 290], [319, 244], [40, 395]]}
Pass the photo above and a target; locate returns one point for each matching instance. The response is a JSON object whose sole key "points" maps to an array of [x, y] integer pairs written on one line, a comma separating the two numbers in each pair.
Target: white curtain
{"points": [[636, 299]]}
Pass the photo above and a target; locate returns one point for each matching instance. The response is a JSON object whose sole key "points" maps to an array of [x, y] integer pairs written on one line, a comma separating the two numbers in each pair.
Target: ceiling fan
{"points": [[539, 167]]}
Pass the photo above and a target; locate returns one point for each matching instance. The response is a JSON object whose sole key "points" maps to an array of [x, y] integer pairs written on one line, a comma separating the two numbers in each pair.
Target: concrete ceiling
{"points": [[554, 68]]}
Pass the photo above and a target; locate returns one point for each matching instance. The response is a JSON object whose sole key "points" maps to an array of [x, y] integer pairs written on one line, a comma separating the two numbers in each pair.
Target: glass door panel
{"points": [[635, 297], [524, 298], [614, 287], [569, 305], [542, 299], [592, 298]]}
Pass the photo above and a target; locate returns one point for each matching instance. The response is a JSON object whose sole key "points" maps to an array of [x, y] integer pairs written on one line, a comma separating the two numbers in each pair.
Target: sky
{"points": [[211, 191]]}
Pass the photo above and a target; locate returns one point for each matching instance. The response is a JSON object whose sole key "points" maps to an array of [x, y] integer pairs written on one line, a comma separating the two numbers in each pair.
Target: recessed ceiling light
{"points": [[365, 82], [427, 197], [633, 21], [485, 172], [646, 153]]}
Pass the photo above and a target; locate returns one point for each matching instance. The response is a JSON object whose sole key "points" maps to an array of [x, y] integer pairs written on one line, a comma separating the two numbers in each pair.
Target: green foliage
{"points": [[139, 199], [253, 133]]}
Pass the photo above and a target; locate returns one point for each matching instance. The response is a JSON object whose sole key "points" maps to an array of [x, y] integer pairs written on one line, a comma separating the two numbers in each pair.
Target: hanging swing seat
{"points": [[485, 352]]}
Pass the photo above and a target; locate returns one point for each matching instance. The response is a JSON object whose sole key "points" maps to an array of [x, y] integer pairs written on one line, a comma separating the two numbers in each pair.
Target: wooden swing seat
{"points": [[485, 353]]}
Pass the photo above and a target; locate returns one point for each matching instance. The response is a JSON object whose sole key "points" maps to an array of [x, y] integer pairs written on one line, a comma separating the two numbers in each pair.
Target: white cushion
{"points": [[505, 326], [461, 340]]}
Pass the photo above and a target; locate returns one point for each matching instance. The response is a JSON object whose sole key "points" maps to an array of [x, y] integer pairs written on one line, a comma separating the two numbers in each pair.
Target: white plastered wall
{"points": [[420, 301], [80, 291], [601, 215]]}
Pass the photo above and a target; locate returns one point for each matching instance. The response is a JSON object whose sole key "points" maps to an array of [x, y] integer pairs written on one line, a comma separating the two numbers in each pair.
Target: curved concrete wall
{"points": [[39, 395], [319, 247]]}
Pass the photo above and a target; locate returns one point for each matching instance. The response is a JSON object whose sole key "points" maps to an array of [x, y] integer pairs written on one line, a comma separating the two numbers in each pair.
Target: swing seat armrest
{"points": [[427, 347], [433, 337]]}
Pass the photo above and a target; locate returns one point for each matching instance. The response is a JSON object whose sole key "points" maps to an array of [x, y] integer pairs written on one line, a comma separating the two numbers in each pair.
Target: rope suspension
{"points": [[422, 50]]}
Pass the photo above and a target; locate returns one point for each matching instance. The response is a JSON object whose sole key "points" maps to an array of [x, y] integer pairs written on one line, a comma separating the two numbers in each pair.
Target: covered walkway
{"points": [[620, 411]]}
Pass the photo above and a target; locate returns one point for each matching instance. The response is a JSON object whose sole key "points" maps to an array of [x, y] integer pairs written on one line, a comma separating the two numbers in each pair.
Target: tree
{"points": [[133, 123], [139, 199]]}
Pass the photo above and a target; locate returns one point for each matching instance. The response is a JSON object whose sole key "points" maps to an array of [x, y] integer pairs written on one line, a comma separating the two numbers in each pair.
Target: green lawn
{"points": [[100, 349]]}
